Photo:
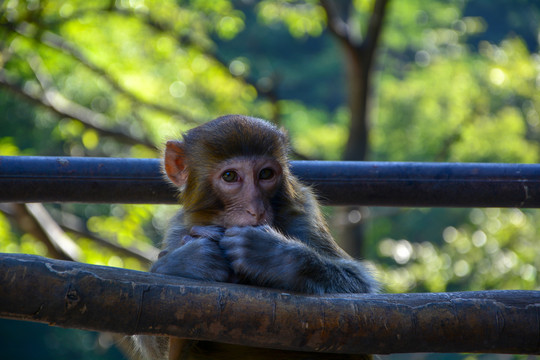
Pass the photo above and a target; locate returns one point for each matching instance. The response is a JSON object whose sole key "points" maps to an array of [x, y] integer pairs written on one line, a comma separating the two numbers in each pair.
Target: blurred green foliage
{"points": [[456, 80]]}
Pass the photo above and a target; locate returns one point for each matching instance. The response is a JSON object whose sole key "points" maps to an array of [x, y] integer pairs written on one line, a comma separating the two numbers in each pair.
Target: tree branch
{"points": [[92, 297], [54, 233], [58, 43], [34, 219], [186, 40], [339, 27], [143, 252], [374, 30], [335, 22], [58, 104]]}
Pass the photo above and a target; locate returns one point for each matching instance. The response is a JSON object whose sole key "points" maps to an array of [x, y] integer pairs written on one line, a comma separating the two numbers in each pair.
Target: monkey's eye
{"points": [[230, 176], [266, 174]]}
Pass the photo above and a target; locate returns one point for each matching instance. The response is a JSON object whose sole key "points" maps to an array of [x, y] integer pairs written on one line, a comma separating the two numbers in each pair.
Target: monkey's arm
{"points": [[264, 257], [196, 256], [191, 253]]}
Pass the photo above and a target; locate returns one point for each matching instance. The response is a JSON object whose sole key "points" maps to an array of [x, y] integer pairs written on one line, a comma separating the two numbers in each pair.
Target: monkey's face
{"points": [[245, 185]]}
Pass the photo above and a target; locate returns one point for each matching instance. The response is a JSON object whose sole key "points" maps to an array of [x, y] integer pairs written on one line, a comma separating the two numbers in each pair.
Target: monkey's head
{"points": [[230, 170]]}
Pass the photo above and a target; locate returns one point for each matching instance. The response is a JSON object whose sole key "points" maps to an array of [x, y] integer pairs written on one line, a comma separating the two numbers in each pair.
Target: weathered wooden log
{"points": [[69, 294]]}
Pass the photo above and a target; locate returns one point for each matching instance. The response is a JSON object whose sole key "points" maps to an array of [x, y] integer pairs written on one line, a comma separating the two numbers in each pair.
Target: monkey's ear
{"points": [[174, 162]]}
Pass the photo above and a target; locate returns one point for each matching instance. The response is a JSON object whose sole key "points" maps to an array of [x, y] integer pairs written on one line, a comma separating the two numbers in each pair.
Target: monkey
{"points": [[246, 219]]}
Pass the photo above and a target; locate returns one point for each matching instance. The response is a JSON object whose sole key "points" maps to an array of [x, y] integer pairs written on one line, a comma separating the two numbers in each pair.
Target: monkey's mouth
{"points": [[242, 219]]}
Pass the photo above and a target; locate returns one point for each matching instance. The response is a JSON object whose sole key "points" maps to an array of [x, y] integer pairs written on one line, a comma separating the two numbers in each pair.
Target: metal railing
{"points": [[115, 180], [484, 321]]}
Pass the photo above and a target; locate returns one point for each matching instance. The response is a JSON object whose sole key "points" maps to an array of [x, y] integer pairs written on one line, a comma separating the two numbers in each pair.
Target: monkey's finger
{"points": [[186, 239], [209, 232], [234, 231], [235, 249]]}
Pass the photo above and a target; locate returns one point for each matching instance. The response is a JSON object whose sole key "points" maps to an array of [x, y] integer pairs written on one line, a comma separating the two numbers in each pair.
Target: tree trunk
{"points": [[359, 58]]}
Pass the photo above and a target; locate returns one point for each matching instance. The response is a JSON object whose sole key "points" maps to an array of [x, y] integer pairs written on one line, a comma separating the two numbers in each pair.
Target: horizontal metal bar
{"points": [[115, 180]]}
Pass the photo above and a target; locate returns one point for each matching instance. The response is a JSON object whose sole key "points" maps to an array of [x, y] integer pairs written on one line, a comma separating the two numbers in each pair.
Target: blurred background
{"points": [[385, 80]]}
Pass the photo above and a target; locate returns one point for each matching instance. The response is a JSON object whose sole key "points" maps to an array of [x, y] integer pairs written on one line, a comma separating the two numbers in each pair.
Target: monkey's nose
{"points": [[258, 215]]}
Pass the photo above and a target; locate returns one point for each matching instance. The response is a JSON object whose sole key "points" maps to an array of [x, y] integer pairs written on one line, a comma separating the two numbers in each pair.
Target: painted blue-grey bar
{"points": [[405, 184]]}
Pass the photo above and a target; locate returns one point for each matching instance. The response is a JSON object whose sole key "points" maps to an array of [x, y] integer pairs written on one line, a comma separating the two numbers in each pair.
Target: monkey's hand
{"points": [[210, 232], [264, 257], [198, 257]]}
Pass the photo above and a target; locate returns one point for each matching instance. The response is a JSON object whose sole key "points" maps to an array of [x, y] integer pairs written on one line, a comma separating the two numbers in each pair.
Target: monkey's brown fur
{"points": [[225, 138], [288, 225]]}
